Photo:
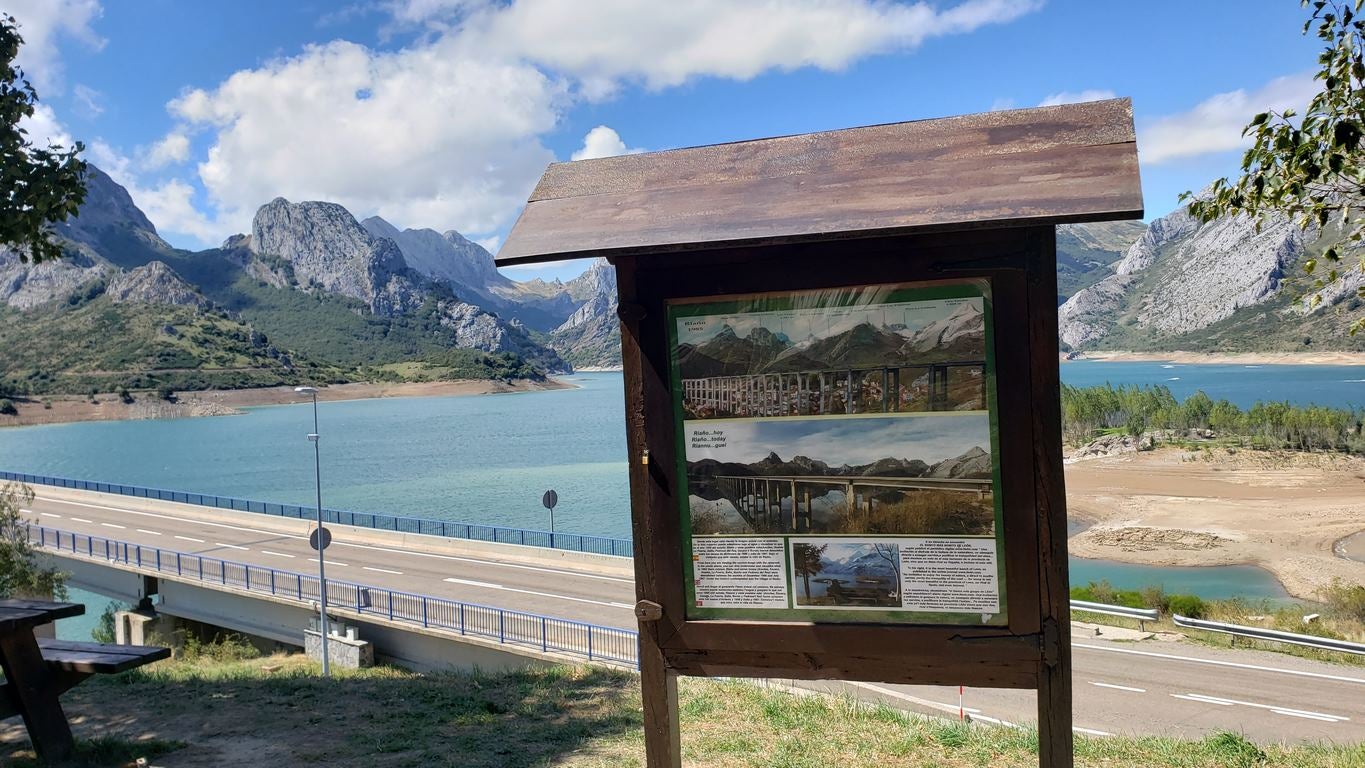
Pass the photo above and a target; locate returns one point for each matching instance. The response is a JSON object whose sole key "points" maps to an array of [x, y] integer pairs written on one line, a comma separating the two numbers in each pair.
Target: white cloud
{"points": [[173, 148], [447, 132], [427, 136], [169, 204], [664, 42], [88, 100], [45, 129], [1075, 97], [1215, 124], [602, 142], [41, 23]]}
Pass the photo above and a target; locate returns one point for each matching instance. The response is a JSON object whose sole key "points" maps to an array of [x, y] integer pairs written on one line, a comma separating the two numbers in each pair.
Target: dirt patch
{"points": [[1153, 539]]}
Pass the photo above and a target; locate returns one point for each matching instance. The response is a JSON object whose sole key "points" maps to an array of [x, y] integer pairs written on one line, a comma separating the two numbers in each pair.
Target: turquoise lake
{"points": [[487, 459]]}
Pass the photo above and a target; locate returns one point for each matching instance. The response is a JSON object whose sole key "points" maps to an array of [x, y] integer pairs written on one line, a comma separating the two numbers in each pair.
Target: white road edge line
{"points": [[114, 525], [497, 563], [1292, 713], [1217, 663], [1090, 731], [1271, 707], [232, 546], [1119, 687], [487, 585], [949, 708], [276, 554], [330, 562], [1204, 699], [48, 514], [382, 570], [81, 520], [144, 530], [189, 538]]}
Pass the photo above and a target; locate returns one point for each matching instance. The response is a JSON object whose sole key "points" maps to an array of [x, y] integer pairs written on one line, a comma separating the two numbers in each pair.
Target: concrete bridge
{"points": [[108, 542], [783, 502]]}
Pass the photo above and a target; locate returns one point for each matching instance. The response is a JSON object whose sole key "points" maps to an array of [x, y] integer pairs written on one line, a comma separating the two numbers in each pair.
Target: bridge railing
{"points": [[544, 633], [574, 542]]}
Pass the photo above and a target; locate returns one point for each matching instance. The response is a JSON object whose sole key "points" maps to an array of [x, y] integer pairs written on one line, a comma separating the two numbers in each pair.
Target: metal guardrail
{"points": [[1258, 633], [547, 634], [574, 542], [1141, 614]]}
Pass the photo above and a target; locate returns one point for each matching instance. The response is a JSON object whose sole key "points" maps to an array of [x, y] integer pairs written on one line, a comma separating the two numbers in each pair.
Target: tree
{"points": [[39, 187], [806, 562], [1310, 168], [20, 571]]}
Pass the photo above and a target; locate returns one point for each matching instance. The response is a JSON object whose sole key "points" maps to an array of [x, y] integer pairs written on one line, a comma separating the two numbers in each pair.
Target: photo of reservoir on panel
{"points": [[908, 475], [879, 358]]}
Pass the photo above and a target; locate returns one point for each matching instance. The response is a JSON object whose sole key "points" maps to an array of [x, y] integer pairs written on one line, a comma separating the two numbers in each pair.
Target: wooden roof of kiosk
{"points": [[1026, 167]]}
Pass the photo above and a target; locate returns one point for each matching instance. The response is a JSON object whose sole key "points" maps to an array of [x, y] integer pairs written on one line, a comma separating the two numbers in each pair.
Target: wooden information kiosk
{"points": [[842, 397]]}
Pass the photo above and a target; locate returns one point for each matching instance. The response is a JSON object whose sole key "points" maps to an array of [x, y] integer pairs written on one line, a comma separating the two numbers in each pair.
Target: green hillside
{"points": [[104, 346]]}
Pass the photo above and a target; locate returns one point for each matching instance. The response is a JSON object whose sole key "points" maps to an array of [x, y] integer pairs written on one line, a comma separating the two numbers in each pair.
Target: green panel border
{"points": [[839, 297]]}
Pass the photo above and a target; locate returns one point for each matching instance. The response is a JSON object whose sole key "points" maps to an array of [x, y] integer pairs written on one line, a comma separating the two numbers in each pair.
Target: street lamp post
{"points": [[322, 570]]}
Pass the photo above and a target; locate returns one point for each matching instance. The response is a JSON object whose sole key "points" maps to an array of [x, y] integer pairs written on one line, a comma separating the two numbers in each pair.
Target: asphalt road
{"points": [[1151, 687]]}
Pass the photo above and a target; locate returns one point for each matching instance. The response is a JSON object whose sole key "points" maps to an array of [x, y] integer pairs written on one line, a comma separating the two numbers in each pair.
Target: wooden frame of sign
{"points": [[970, 200]]}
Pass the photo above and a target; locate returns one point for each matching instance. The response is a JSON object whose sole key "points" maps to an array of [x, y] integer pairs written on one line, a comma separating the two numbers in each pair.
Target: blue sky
{"points": [[442, 113]]}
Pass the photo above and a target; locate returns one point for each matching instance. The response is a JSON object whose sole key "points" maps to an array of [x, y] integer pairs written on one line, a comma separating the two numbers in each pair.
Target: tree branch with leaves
{"points": [[1310, 167], [39, 186], [21, 571]]}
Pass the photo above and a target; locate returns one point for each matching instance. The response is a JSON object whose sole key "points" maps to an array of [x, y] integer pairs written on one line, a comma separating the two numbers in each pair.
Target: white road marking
{"points": [[1203, 699], [495, 563], [997, 721], [1090, 731], [48, 514], [81, 520], [1217, 663], [382, 570], [144, 530], [190, 538], [331, 562], [276, 554], [231, 546], [949, 708], [1119, 687], [1271, 707], [627, 606], [550, 595], [1305, 715], [113, 525], [474, 583]]}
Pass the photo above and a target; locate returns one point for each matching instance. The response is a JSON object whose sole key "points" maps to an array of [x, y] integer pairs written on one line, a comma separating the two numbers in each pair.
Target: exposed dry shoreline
{"points": [[108, 407], [1244, 358], [1282, 511]]}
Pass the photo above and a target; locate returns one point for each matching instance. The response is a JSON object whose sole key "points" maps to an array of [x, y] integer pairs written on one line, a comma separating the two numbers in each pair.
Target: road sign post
{"points": [[842, 397], [549, 500]]}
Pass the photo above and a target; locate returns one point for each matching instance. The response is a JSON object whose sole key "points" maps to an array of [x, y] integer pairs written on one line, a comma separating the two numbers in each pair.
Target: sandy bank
{"points": [[1246, 358], [1281, 511], [108, 407]]}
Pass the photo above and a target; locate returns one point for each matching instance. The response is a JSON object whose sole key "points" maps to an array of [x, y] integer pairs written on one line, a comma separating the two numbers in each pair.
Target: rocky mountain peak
{"points": [[448, 256], [328, 248], [153, 283], [598, 280]]}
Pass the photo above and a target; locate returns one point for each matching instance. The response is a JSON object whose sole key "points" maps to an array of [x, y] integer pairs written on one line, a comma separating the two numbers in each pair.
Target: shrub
{"points": [[1189, 606], [165, 393], [7, 407], [1346, 600]]}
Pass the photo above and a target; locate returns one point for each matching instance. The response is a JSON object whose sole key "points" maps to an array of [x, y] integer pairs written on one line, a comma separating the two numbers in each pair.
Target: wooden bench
{"points": [[38, 670]]}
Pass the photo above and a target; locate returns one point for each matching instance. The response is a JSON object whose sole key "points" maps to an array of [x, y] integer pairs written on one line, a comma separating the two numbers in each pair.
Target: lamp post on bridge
{"points": [[322, 537]]}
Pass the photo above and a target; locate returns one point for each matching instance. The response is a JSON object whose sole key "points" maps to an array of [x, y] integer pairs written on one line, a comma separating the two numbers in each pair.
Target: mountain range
{"points": [[974, 463], [310, 293], [959, 336]]}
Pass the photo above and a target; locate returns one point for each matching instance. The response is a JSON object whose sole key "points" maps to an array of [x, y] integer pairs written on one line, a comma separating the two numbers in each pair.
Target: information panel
{"points": [[839, 449]]}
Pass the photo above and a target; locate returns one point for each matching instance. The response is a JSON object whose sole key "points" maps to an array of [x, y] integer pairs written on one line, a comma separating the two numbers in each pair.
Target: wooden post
{"points": [[33, 689], [1055, 745]]}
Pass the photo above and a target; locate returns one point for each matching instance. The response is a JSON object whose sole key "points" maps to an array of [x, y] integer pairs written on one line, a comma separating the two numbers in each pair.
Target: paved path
{"points": [[1152, 687]]}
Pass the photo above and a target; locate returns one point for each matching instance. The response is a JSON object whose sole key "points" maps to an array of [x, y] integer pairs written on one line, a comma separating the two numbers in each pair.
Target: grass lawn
{"points": [[275, 711]]}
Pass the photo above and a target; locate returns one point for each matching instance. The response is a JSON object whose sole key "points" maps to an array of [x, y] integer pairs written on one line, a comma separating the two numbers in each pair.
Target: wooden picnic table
{"points": [[38, 670]]}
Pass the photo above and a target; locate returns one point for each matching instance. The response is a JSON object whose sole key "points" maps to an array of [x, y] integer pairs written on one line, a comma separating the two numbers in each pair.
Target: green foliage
{"points": [[1309, 166], [125, 396], [1235, 750], [39, 186], [7, 407], [1346, 600], [103, 631], [221, 649], [20, 571], [1090, 411], [166, 393], [1189, 606]]}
